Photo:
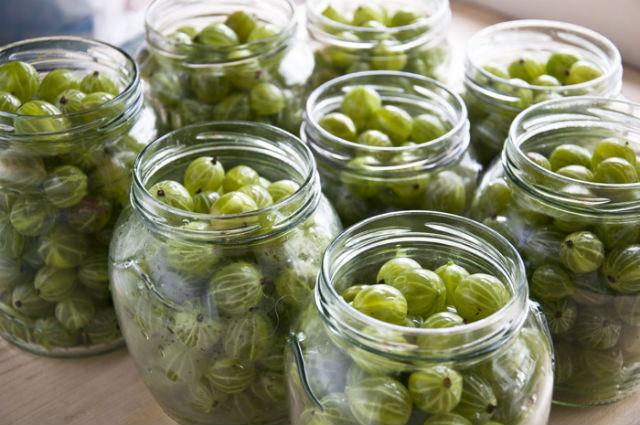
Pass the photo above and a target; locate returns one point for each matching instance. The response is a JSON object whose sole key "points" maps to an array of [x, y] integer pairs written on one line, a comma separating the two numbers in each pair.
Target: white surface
{"points": [[619, 20]]}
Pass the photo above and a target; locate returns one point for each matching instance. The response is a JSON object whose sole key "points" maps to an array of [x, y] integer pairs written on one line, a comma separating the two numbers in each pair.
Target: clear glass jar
{"points": [[419, 48], [537, 210], [507, 356], [494, 102], [206, 357], [58, 245], [188, 84], [436, 175]]}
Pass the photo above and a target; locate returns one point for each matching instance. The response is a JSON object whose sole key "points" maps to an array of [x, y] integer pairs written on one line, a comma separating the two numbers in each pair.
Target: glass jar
{"points": [[541, 212], [494, 102], [436, 175], [260, 81], [420, 47], [207, 357], [336, 352], [54, 289]]}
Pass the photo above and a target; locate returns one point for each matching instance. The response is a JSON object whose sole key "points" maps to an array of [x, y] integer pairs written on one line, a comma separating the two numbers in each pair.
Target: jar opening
{"points": [[416, 94], [273, 153], [163, 17], [584, 121], [432, 239]]}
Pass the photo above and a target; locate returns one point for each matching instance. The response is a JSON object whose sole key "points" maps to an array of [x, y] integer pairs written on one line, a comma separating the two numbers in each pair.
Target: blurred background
{"points": [[121, 21]]}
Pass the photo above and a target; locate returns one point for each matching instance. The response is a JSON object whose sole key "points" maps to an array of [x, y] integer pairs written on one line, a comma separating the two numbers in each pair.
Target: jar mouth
{"points": [[260, 146], [436, 20], [418, 92], [76, 54], [530, 34], [580, 120], [438, 235], [165, 16]]}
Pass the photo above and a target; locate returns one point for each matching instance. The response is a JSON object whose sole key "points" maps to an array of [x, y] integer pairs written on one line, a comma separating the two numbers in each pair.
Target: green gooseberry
{"points": [[376, 139], [597, 329], [446, 192], [539, 159], [25, 299], [262, 31], [559, 64], [550, 282], [478, 402], [379, 400], [98, 82], [242, 23], [603, 364], [7, 199], [93, 272], [233, 203], [75, 311], [70, 101], [546, 81], [56, 82], [494, 198], [63, 247], [448, 419], [36, 117], [386, 57], [95, 102], [179, 40], [561, 315], [235, 106], [173, 194], [480, 295], [21, 172], [217, 34], [282, 189], [196, 330], [167, 87], [209, 86], [382, 302], [341, 57], [188, 30], [564, 363], [569, 154], [66, 186], [270, 387], [205, 173], [451, 275], [542, 246], [615, 235], [178, 364], [496, 71], [441, 320], [622, 270], [112, 178], [436, 389], [236, 288], [54, 284], [403, 18], [205, 399], [267, 99], [12, 243], [576, 172], [582, 252], [248, 337], [192, 258], [423, 290], [340, 125], [9, 103], [628, 309], [395, 267], [203, 201], [359, 104], [615, 171], [295, 283], [582, 72], [12, 273], [334, 411], [91, 215], [526, 68], [49, 333], [590, 290], [394, 122], [427, 127], [259, 194], [20, 79], [350, 293], [103, 328], [331, 13], [613, 148], [238, 176], [369, 12]]}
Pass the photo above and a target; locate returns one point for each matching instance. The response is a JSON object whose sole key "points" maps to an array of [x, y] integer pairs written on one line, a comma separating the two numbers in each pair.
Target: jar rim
{"points": [[130, 95], [535, 121], [460, 126], [305, 198], [614, 71], [334, 309]]}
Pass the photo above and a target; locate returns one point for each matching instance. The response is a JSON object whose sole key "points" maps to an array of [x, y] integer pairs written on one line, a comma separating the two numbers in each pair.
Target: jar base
{"points": [[585, 398], [65, 353]]}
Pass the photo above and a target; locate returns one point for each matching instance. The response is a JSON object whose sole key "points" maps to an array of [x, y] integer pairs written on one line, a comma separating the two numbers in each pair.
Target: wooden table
{"points": [[107, 390]]}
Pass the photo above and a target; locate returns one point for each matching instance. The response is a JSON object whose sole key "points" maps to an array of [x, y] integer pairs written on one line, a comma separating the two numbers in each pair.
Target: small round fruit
{"points": [[394, 122], [561, 315], [451, 275], [615, 171], [32, 215], [340, 125], [63, 247], [576, 172], [98, 82], [267, 99], [613, 148], [427, 127], [597, 329], [203, 201], [21, 172], [238, 176], [526, 68], [479, 296], [622, 270], [20, 79], [38, 117], [196, 330], [54, 284], [76, 311], [9, 103], [446, 192], [230, 376], [248, 338], [436, 390], [382, 302], [569, 154], [204, 174], [56, 82], [582, 252], [282, 189], [242, 23], [173, 194], [262, 31], [259, 194], [443, 319], [359, 104], [379, 401], [559, 64], [236, 288], [25, 299], [66, 186], [423, 290], [582, 72], [217, 35], [395, 267], [233, 203], [551, 282]]}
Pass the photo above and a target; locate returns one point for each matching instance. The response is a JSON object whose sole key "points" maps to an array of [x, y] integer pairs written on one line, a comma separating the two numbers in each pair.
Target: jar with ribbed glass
{"points": [[513, 65], [207, 277], [387, 141], [566, 195], [72, 120], [375, 35], [420, 318], [212, 60]]}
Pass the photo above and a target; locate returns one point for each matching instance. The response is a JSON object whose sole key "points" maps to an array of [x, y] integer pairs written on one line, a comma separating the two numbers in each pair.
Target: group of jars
{"points": [[174, 205]]}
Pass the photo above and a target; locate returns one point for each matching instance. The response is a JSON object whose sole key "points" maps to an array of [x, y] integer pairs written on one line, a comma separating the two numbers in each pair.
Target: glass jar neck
{"points": [[415, 94], [429, 31], [164, 17], [424, 236], [110, 120], [500, 44], [584, 121], [273, 153]]}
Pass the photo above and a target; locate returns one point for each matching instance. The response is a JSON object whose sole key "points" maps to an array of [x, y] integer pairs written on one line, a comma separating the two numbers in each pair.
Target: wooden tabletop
{"points": [[107, 390]]}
